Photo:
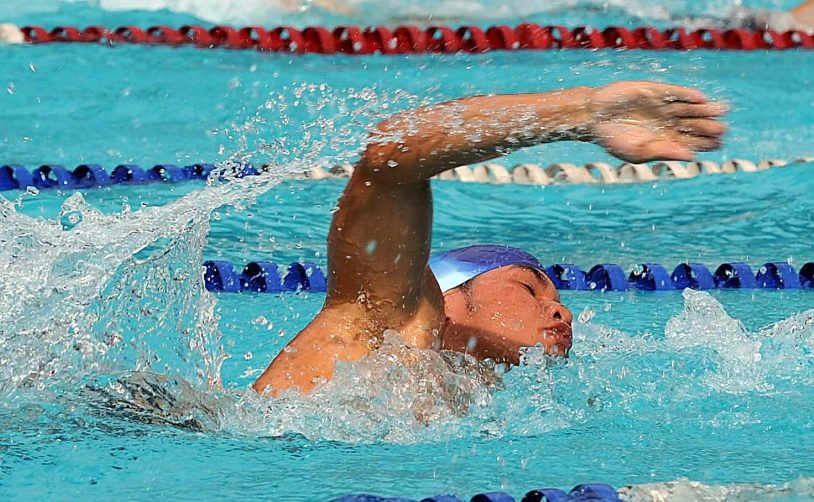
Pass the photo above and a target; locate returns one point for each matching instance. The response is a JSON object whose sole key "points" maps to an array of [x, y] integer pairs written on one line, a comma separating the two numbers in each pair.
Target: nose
{"points": [[558, 311]]}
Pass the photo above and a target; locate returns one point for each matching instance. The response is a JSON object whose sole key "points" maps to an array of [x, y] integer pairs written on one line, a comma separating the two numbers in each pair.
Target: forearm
{"points": [[416, 145]]}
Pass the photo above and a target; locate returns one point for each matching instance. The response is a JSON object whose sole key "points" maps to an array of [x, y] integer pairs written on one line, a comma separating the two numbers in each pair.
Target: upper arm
{"points": [[379, 245]]}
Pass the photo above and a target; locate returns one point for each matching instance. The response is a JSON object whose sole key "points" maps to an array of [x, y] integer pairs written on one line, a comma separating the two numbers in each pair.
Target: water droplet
{"points": [[32, 66], [32, 190], [70, 219], [11, 88], [371, 246], [586, 315], [392, 163], [248, 356], [471, 343]]}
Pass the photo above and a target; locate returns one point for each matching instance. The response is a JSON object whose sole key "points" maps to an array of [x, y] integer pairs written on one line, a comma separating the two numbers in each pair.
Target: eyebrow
{"points": [[540, 275], [543, 278]]}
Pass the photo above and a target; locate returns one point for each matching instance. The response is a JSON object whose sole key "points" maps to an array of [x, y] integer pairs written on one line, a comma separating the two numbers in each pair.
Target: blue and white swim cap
{"points": [[453, 268]]}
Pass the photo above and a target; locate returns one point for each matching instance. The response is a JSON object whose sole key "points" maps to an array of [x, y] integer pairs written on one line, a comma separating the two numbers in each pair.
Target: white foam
{"points": [[684, 490]]}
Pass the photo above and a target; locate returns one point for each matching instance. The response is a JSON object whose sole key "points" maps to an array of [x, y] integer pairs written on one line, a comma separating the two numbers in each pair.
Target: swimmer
{"points": [[11, 34], [487, 301], [798, 18]]}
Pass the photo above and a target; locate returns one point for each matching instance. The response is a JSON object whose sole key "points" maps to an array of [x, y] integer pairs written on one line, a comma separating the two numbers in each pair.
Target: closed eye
{"points": [[529, 288]]}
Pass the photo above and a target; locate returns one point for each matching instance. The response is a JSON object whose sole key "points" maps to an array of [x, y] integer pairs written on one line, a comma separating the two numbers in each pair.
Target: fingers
{"points": [[702, 110], [701, 143], [679, 148], [665, 149], [677, 93], [701, 127]]}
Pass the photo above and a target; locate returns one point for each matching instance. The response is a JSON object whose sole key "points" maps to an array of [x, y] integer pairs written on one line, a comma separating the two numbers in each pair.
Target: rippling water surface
{"points": [[121, 377]]}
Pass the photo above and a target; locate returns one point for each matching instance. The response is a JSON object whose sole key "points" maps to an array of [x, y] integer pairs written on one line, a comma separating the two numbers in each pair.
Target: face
{"points": [[498, 312]]}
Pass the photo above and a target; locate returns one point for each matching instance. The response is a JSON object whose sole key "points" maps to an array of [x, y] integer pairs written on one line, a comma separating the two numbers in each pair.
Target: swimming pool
{"points": [[714, 388]]}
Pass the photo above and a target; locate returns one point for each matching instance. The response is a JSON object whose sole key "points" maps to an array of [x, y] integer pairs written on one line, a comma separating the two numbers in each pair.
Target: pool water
{"points": [[102, 304]]}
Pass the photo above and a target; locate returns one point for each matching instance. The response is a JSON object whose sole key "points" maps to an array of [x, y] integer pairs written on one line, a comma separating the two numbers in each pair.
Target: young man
{"points": [[488, 301]]}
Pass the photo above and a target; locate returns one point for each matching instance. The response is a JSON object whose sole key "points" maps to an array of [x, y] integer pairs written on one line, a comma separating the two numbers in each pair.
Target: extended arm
{"points": [[379, 241]]}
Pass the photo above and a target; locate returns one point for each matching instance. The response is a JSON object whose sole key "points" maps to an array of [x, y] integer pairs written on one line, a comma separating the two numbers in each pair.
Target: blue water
{"points": [[710, 388]]}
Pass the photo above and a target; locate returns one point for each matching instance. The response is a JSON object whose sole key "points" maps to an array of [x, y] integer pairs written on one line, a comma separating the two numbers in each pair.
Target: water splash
{"points": [[693, 491], [91, 293], [407, 396]]}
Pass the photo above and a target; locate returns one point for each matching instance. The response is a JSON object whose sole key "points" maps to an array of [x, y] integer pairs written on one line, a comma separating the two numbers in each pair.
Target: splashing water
{"points": [[408, 396], [90, 293], [693, 491]]}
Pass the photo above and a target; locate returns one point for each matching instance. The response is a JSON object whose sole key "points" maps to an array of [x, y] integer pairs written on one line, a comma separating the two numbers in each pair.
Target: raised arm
{"points": [[380, 238], [379, 241]]}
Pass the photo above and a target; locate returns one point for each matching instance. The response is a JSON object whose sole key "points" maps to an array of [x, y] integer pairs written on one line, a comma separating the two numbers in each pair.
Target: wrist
{"points": [[582, 115], [567, 115]]}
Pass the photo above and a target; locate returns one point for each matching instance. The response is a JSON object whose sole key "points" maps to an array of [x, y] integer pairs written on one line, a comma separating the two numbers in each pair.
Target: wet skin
{"points": [[380, 238], [501, 311]]}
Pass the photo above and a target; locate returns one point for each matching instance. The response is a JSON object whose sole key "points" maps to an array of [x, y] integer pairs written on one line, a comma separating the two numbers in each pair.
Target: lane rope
{"points": [[267, 277], [594, 492], [415, 40], [54, 176], [564, 173]]}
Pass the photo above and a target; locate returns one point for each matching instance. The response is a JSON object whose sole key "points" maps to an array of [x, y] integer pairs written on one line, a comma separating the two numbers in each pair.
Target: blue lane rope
{"points": [[16, 177], [266, 277], [582, 493]]}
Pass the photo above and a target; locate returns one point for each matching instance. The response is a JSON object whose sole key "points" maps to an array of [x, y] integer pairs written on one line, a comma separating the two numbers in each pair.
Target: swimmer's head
{"points": [[498, 299]]}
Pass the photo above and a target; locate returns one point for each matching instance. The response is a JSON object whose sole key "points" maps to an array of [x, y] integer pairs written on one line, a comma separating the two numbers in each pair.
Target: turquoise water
{"points": [[709, 388]]}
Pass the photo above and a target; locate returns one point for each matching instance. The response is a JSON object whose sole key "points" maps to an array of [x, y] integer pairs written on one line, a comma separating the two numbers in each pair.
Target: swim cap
{"points": [[453, 268]]}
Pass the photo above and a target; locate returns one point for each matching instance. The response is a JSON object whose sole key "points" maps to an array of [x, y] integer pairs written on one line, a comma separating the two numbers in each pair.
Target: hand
{"points": [[643, 121]]}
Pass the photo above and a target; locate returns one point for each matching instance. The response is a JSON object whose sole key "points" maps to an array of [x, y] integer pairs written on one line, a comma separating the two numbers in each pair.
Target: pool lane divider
{"points": [[582, 493], [355, 40], [267, 277], [17, 177]]}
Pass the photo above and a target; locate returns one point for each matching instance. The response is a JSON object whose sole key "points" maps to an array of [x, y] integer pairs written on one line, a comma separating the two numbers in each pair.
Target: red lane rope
{"points": [[436, 39]]}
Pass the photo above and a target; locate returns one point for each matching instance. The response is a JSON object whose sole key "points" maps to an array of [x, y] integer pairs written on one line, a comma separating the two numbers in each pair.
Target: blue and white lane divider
{"points": [[267, 277], [582, 493], [17, 177]]}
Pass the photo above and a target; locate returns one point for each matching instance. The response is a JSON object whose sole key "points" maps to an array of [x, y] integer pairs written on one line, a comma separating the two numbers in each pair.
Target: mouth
{"points": [[562, 336]]}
